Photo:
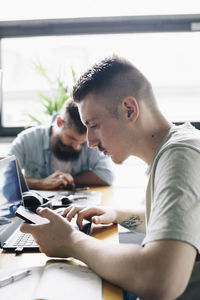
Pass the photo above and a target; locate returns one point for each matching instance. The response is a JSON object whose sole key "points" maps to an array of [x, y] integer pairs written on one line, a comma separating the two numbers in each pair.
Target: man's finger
{"points": [[65, 212], [63, 181], [47, 213], [73, 211], [69, 178]]}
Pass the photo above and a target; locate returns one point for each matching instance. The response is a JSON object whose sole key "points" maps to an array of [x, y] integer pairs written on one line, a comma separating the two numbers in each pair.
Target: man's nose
{"points": [[92, 140], [76, 145]]}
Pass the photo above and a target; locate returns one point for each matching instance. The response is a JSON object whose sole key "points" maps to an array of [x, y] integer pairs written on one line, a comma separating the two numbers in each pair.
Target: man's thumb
{"points": [[99, 219], [46, 213]]}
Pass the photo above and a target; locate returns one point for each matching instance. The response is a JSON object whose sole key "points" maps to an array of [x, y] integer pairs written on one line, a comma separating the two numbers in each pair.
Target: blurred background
{"points": [[162, 38]]}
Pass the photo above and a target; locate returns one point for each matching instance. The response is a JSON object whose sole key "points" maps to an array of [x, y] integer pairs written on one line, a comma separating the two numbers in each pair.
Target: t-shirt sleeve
{"points": [[175, 207]]}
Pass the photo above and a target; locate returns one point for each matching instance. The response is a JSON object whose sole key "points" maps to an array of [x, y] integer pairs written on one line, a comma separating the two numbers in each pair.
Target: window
{"points": [[165, 48]]}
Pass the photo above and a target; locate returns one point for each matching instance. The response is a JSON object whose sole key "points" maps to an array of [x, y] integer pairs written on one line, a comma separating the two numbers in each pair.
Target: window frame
{"points": [[94, 25]]}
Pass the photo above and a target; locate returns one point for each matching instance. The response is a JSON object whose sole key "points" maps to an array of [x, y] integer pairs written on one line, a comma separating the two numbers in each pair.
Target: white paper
{"points": [[64, 281], [22, 289], [56, 281]]}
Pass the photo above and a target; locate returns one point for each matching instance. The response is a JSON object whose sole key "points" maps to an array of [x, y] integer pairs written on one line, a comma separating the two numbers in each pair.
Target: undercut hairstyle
{"points": [[111, 80], [71, 117]]}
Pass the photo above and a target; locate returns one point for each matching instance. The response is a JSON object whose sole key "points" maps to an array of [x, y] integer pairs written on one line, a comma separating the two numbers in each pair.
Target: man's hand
{"points": [[51, 182], [58, 178], [54, 238], [97, 215]]}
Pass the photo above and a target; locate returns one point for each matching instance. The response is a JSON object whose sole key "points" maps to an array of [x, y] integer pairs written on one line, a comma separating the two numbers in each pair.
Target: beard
{"points": [[62, 151]]}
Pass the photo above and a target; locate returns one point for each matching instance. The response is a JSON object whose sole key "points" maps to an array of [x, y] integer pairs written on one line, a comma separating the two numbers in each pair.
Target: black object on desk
{"points": [[73, 188], [65, 199], [32, 200]]}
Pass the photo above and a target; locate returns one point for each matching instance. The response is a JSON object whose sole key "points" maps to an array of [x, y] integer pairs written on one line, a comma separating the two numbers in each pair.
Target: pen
{"points": [[77, 197], [16, 276]]}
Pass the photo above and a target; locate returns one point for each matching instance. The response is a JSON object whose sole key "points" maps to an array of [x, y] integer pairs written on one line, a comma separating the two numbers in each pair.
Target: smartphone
{"points": [[32, 218], [86, 226], [29, 216]]}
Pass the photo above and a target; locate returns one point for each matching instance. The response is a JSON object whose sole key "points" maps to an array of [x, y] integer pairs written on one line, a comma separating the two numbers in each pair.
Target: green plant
{"points": [[51, 102]]}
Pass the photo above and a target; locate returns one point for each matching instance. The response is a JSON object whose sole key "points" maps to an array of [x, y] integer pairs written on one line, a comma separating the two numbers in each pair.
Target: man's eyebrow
{"points": [[87, 122], [73, 138]]}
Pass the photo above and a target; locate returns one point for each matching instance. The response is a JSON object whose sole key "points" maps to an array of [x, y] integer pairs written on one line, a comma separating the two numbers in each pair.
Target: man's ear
{"points": [[131, 108], [59, 121]]}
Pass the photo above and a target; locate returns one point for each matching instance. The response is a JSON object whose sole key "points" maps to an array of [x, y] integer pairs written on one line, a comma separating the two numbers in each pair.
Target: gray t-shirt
{"points": [[57, 164], [173, 194]]}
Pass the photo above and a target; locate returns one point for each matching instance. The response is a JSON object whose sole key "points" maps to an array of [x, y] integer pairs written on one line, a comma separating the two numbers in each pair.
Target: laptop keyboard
{"points": [[20, 240]]}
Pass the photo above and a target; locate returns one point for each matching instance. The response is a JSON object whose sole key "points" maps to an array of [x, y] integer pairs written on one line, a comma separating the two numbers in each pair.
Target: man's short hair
{"points": [[71, 117], [111, 80]]}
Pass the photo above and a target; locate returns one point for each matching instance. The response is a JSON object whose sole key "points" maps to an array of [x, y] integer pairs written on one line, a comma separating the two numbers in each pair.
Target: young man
{"points": [[118, 106], [58, 154]]}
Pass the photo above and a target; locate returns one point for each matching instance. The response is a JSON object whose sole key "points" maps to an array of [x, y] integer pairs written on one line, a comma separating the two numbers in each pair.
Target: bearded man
{"points": [[58, 155]]}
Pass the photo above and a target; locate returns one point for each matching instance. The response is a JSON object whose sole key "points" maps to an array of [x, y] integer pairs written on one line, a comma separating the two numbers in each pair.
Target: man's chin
{"points": [[116, 160]]}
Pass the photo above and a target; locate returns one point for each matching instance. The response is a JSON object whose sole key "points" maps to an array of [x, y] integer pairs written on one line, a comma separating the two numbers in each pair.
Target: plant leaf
{"points": [[59, 92], [33, 118]]}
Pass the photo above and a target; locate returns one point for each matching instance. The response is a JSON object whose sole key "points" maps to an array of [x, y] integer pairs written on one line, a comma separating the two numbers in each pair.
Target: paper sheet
{"points": [[22, 289], [64, 281], [56, 281]]}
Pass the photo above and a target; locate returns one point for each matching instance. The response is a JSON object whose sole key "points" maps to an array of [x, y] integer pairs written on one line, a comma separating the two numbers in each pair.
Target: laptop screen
{"points": [[10, 188], [23, 183]]}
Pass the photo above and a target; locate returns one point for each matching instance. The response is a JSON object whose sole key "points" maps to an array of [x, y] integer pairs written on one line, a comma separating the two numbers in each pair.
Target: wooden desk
{"points": [[110, 292]]}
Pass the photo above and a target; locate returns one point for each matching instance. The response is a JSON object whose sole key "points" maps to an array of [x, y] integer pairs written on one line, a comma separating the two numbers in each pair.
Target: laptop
{"points": [[12, 186], [11, 238]]}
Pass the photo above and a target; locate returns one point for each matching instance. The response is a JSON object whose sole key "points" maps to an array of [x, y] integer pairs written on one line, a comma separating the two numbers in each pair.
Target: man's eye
{"points": [[93, 126]]}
